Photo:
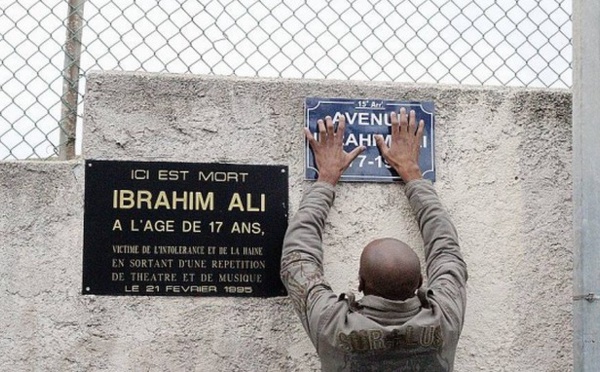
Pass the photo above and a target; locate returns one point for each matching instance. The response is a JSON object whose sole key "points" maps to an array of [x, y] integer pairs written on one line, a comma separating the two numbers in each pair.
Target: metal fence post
{"points": [[69, 98], [586, 185]]}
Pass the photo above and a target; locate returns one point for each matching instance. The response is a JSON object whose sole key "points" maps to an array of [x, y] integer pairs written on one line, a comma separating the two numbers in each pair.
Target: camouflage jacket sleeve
{"points": [[302, 258], [446, 270]]}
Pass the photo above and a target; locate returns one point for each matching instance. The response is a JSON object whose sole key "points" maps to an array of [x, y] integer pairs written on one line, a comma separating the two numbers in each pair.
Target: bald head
{"points": [[389, 268]]}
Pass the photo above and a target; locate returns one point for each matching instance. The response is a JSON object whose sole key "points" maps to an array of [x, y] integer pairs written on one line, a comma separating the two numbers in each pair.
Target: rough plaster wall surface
{"points": [[503, 169]]}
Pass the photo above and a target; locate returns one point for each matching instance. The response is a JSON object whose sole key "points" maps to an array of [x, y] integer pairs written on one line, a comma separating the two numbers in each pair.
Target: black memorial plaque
{"points": [[183, 229]]}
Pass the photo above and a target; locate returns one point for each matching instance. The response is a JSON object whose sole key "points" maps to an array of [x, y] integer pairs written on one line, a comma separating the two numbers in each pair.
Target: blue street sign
{"points": [[366, 118]]}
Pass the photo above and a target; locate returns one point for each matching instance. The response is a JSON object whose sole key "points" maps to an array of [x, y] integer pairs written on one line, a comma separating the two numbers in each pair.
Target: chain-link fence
{"points": [[47, 46]]}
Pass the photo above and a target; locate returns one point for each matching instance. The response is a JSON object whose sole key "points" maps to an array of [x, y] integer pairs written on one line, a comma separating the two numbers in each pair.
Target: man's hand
{"points": [[403, 152], [329, 152]]}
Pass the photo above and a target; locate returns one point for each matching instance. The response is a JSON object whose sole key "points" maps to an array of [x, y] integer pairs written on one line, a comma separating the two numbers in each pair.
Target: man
{"points": [[397, 325]]}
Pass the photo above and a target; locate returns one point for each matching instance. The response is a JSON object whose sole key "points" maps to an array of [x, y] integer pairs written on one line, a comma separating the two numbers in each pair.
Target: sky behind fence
{"points": [[509, 43]]}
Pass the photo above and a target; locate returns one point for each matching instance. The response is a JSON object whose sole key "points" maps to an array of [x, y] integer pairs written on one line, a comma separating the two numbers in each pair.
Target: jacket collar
{"points": [[386, 311]]}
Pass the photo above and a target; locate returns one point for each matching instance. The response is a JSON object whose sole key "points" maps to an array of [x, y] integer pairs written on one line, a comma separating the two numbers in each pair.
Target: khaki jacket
{"points": [[374, 333]]}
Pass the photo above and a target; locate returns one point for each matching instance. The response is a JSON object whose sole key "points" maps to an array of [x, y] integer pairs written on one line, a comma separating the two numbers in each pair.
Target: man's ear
{"points": [[361, 284], [420, 281]]}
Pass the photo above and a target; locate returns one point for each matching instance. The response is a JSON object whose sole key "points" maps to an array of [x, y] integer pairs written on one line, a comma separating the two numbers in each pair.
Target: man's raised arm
{"points": [[302, 255], [446, 270]]}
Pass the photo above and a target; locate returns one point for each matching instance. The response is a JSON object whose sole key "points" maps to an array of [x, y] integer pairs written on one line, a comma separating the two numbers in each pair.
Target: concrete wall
{"points": [[503, 169]]}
